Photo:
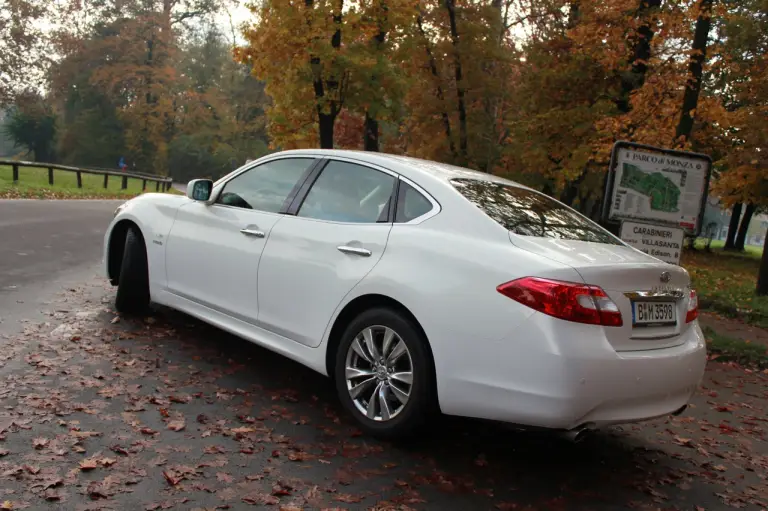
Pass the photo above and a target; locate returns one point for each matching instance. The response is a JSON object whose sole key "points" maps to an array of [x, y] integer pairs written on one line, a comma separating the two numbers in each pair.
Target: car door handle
{"points": [[354, 250], [251, 232]]}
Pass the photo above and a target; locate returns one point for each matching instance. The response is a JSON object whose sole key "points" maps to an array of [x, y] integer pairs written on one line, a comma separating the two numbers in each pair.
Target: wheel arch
{"points": [[356, 306], [116, 247]]}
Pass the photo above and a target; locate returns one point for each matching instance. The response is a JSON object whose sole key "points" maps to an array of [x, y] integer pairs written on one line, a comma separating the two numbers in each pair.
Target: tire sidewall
{"points": [[133, 281], [420, 404]]}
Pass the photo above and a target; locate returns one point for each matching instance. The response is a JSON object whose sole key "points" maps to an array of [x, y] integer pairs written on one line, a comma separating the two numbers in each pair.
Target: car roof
{"points": [[409, 167]]}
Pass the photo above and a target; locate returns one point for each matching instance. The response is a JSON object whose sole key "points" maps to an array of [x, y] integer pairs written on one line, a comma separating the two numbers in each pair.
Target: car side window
{"points": [[266, 187], [410, 204], [346, 192]]}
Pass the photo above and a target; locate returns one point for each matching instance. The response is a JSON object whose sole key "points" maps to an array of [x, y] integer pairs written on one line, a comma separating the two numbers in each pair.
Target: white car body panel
{"points": [[211, 262], [494, 357], [303, 276]]}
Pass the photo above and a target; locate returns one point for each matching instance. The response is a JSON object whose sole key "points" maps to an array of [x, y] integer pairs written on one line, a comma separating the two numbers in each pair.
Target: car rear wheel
{"points": [[133, 282], [384, 374]]}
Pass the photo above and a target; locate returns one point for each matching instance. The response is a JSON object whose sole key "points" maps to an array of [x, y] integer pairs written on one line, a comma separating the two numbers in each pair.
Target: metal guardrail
{"points": [[161, 182]]}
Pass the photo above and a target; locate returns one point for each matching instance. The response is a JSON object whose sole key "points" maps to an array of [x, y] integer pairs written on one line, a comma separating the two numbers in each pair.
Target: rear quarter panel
{"points": [[448, 281]]}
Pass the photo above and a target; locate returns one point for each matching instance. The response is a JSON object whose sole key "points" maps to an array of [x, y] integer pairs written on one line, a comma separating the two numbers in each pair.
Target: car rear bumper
{"points": [[553, 374]]}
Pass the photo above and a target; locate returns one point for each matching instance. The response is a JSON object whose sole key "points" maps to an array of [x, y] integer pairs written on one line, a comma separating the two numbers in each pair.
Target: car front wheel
{"points": [[384, 374], [133, 282]]}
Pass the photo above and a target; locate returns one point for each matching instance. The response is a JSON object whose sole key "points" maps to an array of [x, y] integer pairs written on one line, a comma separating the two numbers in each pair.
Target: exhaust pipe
{"points": [[579, 433]]}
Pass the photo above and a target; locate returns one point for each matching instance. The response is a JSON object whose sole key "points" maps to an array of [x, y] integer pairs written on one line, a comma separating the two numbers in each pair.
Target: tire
{"points": [[421, 402], [133, 281]]}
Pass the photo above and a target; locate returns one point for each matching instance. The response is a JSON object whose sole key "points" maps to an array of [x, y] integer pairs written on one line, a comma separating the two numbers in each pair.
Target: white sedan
{"points": [[419, 287]]}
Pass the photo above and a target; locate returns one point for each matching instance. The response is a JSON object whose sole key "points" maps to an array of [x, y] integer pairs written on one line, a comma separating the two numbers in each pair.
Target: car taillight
{"points": [[565, 300], [693, 307]]}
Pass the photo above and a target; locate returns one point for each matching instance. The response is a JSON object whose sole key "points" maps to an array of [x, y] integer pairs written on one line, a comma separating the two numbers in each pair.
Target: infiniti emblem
{"points": [[665, 276]]}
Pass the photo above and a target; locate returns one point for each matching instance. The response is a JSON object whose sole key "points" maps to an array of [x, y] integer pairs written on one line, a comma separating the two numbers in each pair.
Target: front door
{"points": [[213, 250], [313, 259]]}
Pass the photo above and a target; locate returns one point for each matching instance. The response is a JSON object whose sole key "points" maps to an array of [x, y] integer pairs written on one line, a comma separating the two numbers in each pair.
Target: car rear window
{"points": [[530, 213]]}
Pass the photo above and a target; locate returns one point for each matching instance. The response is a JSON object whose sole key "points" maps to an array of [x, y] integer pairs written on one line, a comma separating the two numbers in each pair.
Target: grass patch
{"points": [[727, 349], [749, 250], [725, 283], [33, 184]]}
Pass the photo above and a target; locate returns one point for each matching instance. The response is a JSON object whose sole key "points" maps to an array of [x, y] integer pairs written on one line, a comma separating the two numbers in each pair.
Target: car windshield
{"points": [[530, 213]]}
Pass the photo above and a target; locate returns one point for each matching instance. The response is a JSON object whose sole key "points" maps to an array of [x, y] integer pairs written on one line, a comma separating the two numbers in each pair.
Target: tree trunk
{"points": [[695, 68], [370, 133], [329, 86], [371, 124], [326, 122], [641, 54], [450, 5], [733, 227], [762, 276], [438, 88], [741, 236]]}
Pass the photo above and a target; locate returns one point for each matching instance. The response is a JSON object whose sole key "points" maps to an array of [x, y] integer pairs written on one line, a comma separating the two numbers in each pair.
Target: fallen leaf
{"points": [[4, 452], [224, 477], [96, 490], [32, 469], [6, 505], [88, 464], [176, 425], [116, 319], [84, 434], [349, 499], [281, 489], [686, 442], [148, 431], [52, 495], [40, 442], [119, 450], [256, 499], [171, 477], [720, 468], [107, 462]]}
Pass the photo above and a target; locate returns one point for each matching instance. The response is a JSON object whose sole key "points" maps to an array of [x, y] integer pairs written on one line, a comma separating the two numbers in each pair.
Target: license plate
{"points": [[654, 313]]}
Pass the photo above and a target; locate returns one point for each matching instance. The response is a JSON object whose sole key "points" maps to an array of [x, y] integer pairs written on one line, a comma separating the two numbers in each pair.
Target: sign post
{"points": [[657, 195]]}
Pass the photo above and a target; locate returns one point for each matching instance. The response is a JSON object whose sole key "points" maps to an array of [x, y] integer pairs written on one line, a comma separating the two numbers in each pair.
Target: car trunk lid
{"points": [[651, 295]]}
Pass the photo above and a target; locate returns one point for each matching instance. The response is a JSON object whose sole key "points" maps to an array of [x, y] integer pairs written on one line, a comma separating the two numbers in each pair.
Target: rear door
{"points": [[313, 259]]}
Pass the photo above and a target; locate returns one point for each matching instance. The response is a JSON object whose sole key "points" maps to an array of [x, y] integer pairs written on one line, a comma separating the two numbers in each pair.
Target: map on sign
{"points": [[663, 193], [657, 186]]}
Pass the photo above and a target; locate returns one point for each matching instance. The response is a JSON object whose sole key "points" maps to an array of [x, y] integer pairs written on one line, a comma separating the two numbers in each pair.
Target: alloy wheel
{"points": [[379, 373]]}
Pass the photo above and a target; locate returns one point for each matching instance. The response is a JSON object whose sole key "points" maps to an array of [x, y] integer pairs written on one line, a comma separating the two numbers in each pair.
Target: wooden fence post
{"points": [[143, 185], [157, 186], [106, 180], [15, 173], [79, 179], [50, 176], [125, 182]]}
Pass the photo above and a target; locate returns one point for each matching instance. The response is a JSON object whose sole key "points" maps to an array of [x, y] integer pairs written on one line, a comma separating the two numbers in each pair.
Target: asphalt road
{"points": [[46, 246]]}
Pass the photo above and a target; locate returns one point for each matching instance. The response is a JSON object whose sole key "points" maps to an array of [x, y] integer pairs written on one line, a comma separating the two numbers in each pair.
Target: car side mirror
{"points": [[200, 189]]}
